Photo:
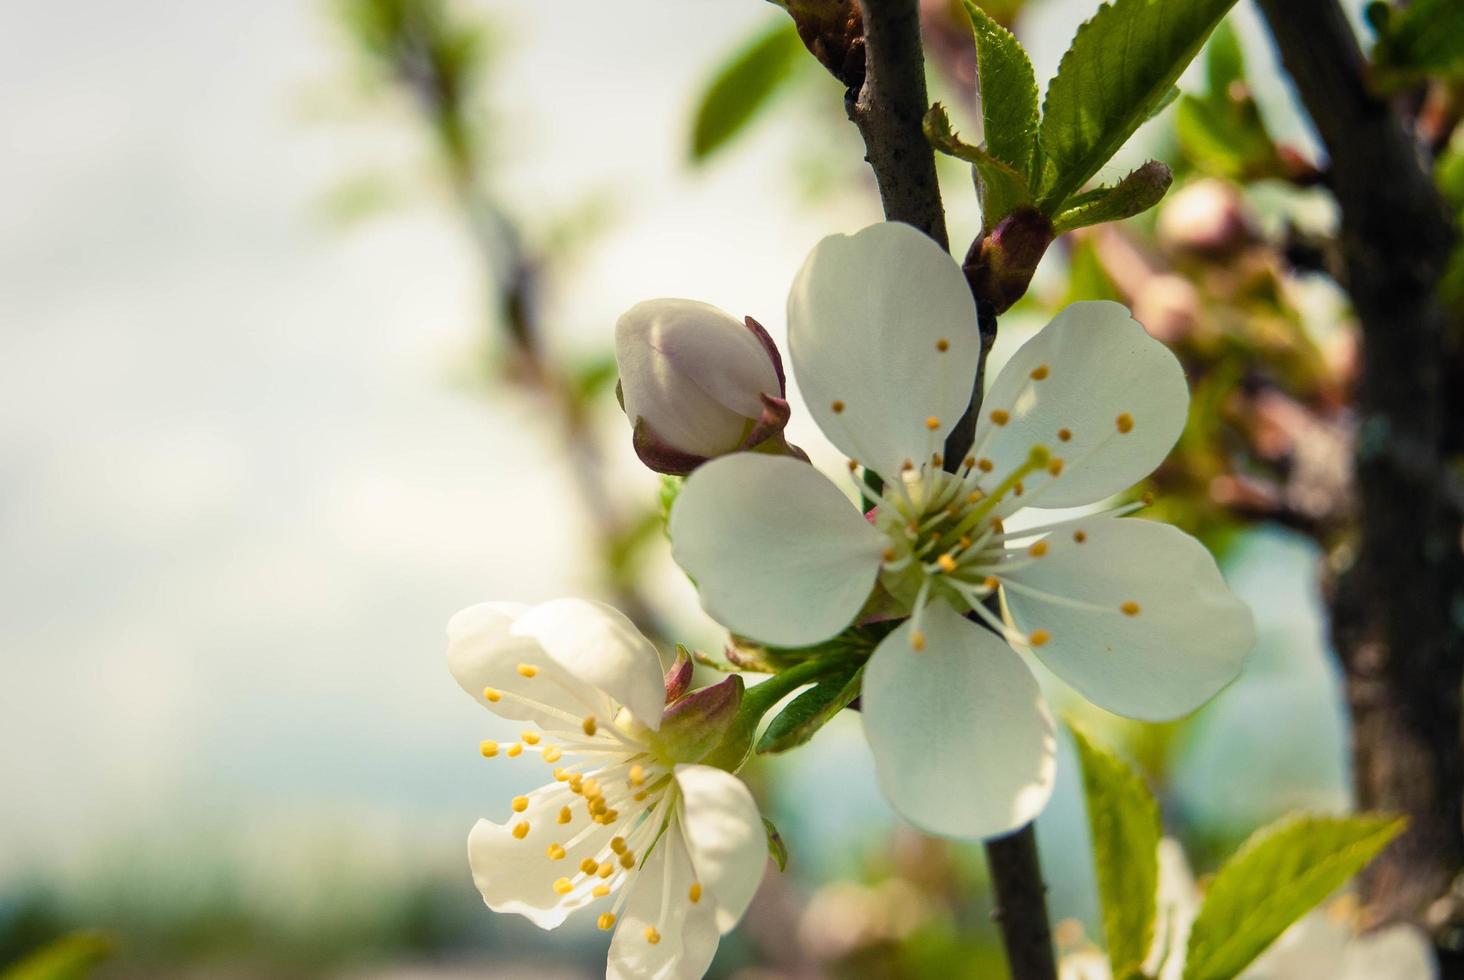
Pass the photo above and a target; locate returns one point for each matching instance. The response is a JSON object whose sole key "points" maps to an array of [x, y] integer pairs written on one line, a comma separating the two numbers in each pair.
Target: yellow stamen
{"points": [[589, 725], [563, 886], [589, 866], [609, 817], [837, 406], [1125, 422], [1055, 467], [1064, 435], [521, 829], [627, 860], [991, 583], [637, 775], [947, 563], [555, 852], [652, 936], [917, 640], [528, 670], [600, 891], [606, 870], [1038, 637], [694, 893], [606, 921], [985, 465], [1039, 372], [1038, 549], [942, 345], [1001, 416], [553, 753], [565, 814], [520, 804], [1130, 608], [530, 738], [1080, 536], [514, 751], [489, 749], [932, 423], [492, 694]]}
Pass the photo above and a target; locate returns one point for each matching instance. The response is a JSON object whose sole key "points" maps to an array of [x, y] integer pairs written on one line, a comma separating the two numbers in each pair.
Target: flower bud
{"points": [[697, 384], [1208, 216]]}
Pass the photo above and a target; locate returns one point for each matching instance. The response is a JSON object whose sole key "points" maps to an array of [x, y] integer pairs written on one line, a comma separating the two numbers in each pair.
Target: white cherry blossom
{"points": [[665, 852], [884, 343]]}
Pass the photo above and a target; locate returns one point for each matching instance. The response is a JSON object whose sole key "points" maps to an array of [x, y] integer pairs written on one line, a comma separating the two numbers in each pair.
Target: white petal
{"points": [[692, 372], [729, 847], [1312, 949], [1100, 364], [865, 316], [603, 649], [776, 551], [1179, 903], [660, 899], [484, 650], [517, 875], [963, 743], [1188, 639]]}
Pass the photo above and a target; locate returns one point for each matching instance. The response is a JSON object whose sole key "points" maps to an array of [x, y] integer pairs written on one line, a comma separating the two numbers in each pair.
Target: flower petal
{"points": [[963, 743], [603, 649], [724, 830], [485, 651], [685, 931], [776, 551], [882, 333], [1091, 367], [516, 874], [1138, 617]]}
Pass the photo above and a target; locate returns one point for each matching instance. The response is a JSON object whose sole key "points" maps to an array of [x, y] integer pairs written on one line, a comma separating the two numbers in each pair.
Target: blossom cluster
{"points": [[971, 565]]}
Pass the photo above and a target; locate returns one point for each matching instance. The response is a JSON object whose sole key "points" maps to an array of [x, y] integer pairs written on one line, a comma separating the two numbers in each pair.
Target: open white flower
{"points": [[884, 342], [669, 852]]}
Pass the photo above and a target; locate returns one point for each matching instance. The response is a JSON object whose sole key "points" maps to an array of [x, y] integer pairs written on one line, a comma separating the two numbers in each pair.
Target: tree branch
{"points": [[888, 109], [1395, 611]]}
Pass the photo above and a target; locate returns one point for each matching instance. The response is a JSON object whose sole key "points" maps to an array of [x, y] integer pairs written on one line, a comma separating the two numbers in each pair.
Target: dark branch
{"points": [[1021, 908], [1395, 613]]}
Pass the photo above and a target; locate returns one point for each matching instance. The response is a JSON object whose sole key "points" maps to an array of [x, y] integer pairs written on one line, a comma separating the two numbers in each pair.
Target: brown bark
{"points": [[1398, 607]]}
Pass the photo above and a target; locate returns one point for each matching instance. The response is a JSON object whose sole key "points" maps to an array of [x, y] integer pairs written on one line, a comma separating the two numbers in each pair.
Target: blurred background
{"points": [[305, 325]]}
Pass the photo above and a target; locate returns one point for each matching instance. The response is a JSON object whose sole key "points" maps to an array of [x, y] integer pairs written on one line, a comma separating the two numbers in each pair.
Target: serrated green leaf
{"points": [[1136, 193], [1000, 187], [743, 86], [1008, 92], [1276, 877], [810, 711], [777, 849], [1123, 819], [1120, 67], [71, 957]]}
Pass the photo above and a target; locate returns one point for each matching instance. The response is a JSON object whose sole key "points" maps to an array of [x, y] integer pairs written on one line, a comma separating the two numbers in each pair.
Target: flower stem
{"points": [[1021, 905], [736, 745]]}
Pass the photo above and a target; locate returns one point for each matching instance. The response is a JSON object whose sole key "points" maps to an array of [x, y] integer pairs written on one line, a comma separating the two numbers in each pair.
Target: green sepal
{"points": [[1000, 187], [1135, 194], [811, 710]]}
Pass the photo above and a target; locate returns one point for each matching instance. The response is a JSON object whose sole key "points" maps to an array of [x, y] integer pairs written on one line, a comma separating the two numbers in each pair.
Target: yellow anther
{"points": [[1038, 637], [853, 465], [606, 921], [694, 892], [889, 554], [991, 583], [576, 782], [492, 694], [565, 814], [954, 510], [530, 738], [932, 423], [985, 465], [1001, 416], [489, 749], [637, 775], [1147, 498], [1018, 489], [942, 345], [589, 866], [1038, 549], [563, 886], [617, 844], [937, 460], [947, 563], [589, 725], [964, 543], [598, 807], [975, 497], [606, 870], [559, 774], [600, 891], [969, 462], [553, 753], [592, 788], [521, 829], [1130, 608], [514, 751], [998, 526], [609, 817], [1065, 435], [1080, 536], [627, 860], [641, 795], [837, 406], [528, 670], [520, 804], [907, 466], [917, 640], [1039, 372], [1125, 422], [555, 852], [1055, 467], [652, 936]]}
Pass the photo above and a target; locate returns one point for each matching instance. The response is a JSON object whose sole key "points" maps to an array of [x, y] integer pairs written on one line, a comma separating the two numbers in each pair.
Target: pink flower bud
{"points": [[697, 384], [1207, 216]]}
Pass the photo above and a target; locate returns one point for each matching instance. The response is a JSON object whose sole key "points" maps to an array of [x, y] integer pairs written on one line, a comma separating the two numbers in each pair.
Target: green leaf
{"points": [[743, 86], [1224, 60], [1008, 92], [777, 850], [1123, 819], [1225, 138], [71, 957], [1120, 68], [1136, 193], [1000, 187], [1276, 877], [1425, 37], [811, 710]]}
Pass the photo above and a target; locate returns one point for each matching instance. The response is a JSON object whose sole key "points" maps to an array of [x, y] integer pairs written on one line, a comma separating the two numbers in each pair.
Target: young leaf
{"points": [[810, 711], [743, 86], [1425, 37], [1123, 819], [777, 850], [1136, 193], [1000, 187], [1275, 878], [1008, 92], [1224, 60], [1121, 66]]}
